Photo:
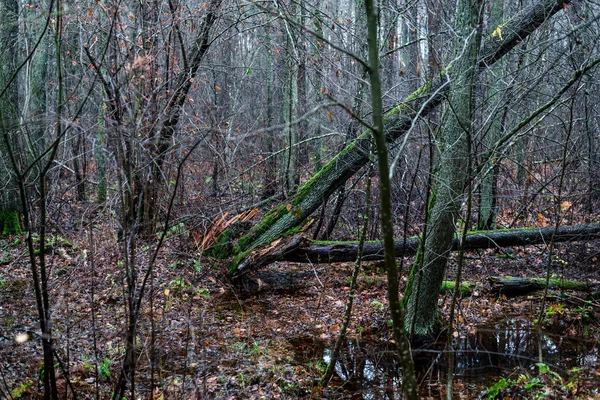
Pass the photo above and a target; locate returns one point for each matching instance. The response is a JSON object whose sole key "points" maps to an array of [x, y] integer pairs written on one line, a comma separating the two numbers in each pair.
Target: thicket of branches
{"points": [[147, 118]]}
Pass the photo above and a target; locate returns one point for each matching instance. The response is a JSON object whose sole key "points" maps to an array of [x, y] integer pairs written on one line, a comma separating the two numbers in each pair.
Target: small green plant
{"points": [[238, 346], [555, 309], [573, 383], [242, 380], [377, 305], [175, 230], [104, 369], [109, 278], [179, 284], [529, 383], [319, 365], [545, 370], [497, 388], [41, 371], [583, 313], [256, 349], [179, 281], [21, 389], [197, 266]]}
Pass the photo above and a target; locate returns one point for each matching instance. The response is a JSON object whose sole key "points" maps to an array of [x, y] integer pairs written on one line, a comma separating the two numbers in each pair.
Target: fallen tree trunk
{"points": [[300, 249], [330, 252], [286, 218], [515, 286]]}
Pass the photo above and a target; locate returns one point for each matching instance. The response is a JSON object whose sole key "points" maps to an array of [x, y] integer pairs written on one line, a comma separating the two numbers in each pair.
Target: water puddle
{"points": [[372, 371]]}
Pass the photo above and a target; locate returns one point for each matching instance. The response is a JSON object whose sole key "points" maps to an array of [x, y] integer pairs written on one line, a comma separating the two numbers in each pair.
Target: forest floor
{"points": [[271, 337]]}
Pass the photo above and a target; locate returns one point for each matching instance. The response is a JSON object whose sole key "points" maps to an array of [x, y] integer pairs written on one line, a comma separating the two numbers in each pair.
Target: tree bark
{"points": [[494, 95], [451, 178], [9, 113], [285, 217], [410, 386], [270, 169]]}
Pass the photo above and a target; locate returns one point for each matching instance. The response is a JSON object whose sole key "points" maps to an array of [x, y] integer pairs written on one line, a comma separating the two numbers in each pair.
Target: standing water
{"points": [[495, 350]]}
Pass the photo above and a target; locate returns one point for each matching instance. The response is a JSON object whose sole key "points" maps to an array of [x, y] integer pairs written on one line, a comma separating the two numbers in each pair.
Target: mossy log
{"points": [[516, 286], [286, 217], [299, 249], [466, 288], [275, 251], [328, 252]]}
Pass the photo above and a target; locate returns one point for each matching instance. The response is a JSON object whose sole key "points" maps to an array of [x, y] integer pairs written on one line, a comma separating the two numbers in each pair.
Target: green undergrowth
{"points": [[545, 384], [580, 321], [52, 242]]}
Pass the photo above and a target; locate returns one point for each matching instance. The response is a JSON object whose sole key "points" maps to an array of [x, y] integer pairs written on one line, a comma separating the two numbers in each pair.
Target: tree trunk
{"points": [[497, 103], [286, 217], [270, 164], [79, 164], [450, 180], [100, 157], [410, 386], [290, 174], [9, 112], [318, 62]]}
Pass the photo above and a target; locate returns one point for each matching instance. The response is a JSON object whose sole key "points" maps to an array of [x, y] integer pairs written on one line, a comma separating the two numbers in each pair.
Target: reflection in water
{"points": [[375, 375], [510, 343], [373, 372]]}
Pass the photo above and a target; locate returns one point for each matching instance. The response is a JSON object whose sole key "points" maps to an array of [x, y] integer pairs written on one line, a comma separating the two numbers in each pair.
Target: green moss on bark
{"points": [[554, 283], [268, 220], [222, 248], [281, 210], [11, 225], [237, 260], [466, 288]]}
